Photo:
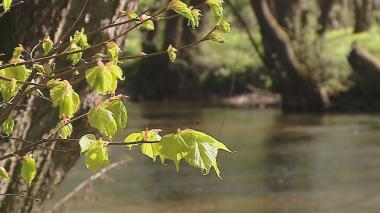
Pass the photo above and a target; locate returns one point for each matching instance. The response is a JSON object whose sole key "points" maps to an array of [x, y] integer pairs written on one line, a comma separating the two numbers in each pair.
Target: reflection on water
{"points": [[285, 163]]}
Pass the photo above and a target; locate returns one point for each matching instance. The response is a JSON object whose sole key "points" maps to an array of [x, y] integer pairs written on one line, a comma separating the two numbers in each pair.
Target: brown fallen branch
{"points": [[85, 183]]}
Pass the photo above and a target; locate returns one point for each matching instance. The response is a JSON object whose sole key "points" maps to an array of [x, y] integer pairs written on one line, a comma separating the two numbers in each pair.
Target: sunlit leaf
{"points": [[119, 111], [74, 57], [86, 142], [7, 4], [181, 8], [224, 26], [113, 51], [151, 137], [173, 147], [9, 89], [28, 169], [64, 97], [145, 23], [196, 17], [80, 39], [215, 36], [47, 45], [95, 152], [172, 52], [66, 130], [3, 174], [104, 120], [8, 126], [217, 8], [104, 77]]}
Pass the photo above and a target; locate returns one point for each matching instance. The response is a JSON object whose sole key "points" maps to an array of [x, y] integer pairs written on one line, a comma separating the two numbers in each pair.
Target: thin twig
{"points": [[21, 195], [63, 37]]}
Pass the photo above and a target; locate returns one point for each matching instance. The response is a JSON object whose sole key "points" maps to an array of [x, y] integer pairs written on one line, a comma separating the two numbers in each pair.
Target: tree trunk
{"points": [[159, 78], [366, 69], [363, 13], [298, 89], [30, 22], [324, 19], [288, 14]]}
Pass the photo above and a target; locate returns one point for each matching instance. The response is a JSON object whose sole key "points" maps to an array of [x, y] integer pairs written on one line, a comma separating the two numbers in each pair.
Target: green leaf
{"points": [[172, 147], [217, 8], [104, 120], [224, 26], [64, 97], [66, 131], [95, 152], [7, 4], [80, 39], [28, 169], [149, 149], [196, 17], [104, 78], [182, 9], [3, 174], [113, 51], [132, 15], [74, 57], [86, 142], [197, 148], [215, 36], [172, 52], [17, 53], [146, 24], [119, 111], [19, 73], [47, 45], [8, 125], [9, 89]]}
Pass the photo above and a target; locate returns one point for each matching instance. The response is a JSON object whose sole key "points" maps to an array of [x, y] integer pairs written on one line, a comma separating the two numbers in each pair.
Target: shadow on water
{"points": [[285, 163]]}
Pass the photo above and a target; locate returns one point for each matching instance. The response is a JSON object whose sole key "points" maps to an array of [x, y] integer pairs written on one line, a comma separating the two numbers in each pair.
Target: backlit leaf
{"points": [[196, 17], [104, 77], [172, 52], [64, 97], [119, 111], [47, 45], [224, 26], [104, 120], [7, 4], [28, 169], [66, 131], [217, 8], [3, 174], [181, 8], [113, 51], [149, 149], [215, 36], [173, 147], [95, 152], [74, 57], [8, 126], [80, 39]]}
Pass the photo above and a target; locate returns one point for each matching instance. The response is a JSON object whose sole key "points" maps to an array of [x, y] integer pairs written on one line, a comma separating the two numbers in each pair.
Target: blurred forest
{"points": [[317, 55]]}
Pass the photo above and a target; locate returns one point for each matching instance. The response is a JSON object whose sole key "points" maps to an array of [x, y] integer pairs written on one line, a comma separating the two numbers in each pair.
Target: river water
{"points": [[284, 163]]}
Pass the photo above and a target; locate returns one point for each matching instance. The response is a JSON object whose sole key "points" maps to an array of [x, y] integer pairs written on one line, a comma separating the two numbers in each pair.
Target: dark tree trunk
{"points": [[324, 18], [29, 23], [363, 13], [288, 14], [159, 78], [366, 69], [298, 89]]}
